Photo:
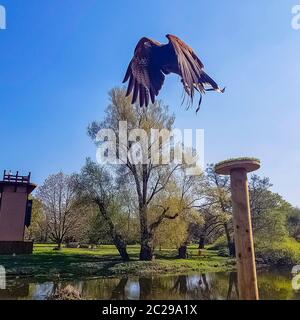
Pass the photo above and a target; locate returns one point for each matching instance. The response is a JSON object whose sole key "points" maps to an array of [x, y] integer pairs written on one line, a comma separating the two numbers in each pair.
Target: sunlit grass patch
{"points": [[105, 261]]}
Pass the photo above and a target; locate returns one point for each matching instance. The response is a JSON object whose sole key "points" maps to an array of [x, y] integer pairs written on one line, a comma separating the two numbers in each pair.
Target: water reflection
{"points": [[210, 286]]}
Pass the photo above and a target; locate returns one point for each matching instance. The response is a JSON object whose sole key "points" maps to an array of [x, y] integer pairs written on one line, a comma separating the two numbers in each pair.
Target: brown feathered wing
{"points": [[144, 72], [190, 66]]}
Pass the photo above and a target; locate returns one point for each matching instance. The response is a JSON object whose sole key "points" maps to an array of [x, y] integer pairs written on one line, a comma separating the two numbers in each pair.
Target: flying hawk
{"points": [[153, 60]]}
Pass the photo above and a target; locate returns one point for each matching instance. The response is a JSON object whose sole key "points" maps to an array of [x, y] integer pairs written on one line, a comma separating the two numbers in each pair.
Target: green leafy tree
{"points": [[150, 179], [293, 223], [94, 185], [218, 209], [269, 211], [38, 229]]}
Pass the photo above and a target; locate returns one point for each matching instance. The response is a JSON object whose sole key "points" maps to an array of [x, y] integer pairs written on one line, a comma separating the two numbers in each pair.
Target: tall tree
{"points": [[192, 190], [213, 226], [218, 206], [38, 229], [149, 177], [95, 185], [58, 198], [268, 209], [293, 223], [180, 199]]}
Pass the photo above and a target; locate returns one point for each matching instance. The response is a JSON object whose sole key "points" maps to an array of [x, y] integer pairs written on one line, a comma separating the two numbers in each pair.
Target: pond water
{"points": [[210, 286]]}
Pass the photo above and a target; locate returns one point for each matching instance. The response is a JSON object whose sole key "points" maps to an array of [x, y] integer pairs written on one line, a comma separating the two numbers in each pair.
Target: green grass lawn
{"points": [[105, 261]]}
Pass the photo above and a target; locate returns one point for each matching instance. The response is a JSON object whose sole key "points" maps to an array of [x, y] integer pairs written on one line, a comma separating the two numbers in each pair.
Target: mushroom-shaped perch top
{"points": [[249, 164], [243, 237]]}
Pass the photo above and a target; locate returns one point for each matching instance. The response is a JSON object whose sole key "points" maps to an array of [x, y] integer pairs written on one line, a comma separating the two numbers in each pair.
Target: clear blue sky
{"points": [[59, 58]]}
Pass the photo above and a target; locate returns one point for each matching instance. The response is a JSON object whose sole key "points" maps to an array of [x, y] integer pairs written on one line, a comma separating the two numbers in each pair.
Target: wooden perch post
{"points": [[246, 267]]}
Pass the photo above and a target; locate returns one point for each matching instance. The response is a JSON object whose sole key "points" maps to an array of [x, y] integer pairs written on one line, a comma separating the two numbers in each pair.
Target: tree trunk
{"points": [[182, 252], [146, 253], [201, 242], [121, 247], [231, 249], [230, 242], [116, 237]]}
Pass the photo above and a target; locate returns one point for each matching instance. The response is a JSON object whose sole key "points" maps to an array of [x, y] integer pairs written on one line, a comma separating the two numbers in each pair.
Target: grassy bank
{"points": [[280, 253], [284, 252], [104, 261]]}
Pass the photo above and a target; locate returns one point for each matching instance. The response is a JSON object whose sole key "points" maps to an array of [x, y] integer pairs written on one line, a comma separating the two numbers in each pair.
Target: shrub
{"points": [[283, 253], [224, 252], [220, 244]]}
